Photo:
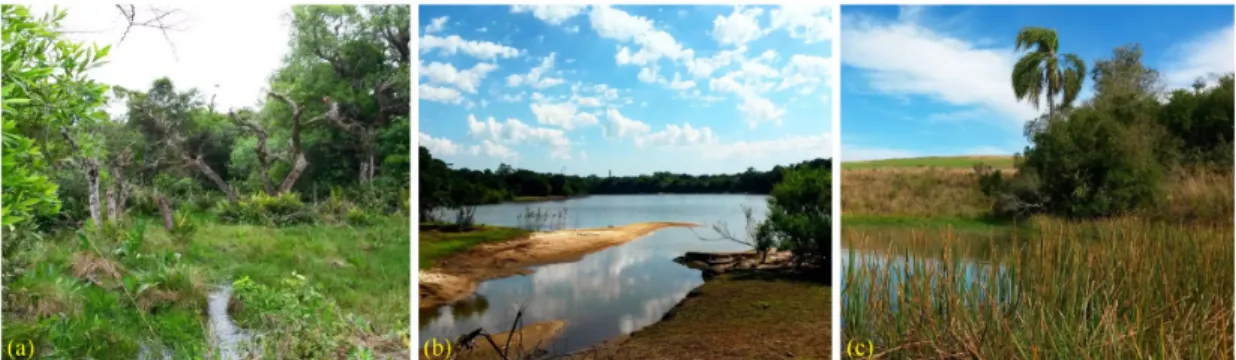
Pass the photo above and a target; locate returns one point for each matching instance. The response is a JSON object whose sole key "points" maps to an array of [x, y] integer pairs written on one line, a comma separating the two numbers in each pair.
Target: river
{"points": [[608, 293]]}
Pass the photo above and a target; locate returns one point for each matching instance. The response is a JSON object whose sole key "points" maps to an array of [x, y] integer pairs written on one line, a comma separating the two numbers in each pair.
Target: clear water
{"points": [[973, 273], [608, 293]]}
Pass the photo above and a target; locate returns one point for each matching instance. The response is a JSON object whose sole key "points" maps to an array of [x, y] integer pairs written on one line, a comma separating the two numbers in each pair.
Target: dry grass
{"points": [[1121, 288], [912, 192]]}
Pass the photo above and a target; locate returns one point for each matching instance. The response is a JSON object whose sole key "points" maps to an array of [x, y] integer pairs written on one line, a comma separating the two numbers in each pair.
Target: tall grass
{"points": [[918, 192], [538, 219], [1119, 288]]}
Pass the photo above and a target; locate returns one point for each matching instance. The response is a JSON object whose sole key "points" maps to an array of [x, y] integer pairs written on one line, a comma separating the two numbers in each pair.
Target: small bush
{"points": [[261, 209], [183, 227], [296, 319]]}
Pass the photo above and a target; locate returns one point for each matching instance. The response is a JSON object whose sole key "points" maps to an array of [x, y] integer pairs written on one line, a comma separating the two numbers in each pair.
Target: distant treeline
{"points": [[440, 185]]}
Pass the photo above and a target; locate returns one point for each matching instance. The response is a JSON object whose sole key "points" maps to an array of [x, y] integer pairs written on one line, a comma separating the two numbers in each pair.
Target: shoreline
{"points": [[457, 276]]}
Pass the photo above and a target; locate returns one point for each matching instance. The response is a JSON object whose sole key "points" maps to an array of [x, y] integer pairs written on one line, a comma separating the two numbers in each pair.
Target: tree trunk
{"points": [[214, 177], [111, 204], [297, 169], [165, 209], [92, 178]]}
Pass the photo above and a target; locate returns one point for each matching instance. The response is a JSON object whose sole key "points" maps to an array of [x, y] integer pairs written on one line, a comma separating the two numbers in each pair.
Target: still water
{"points": [[607, 293]]}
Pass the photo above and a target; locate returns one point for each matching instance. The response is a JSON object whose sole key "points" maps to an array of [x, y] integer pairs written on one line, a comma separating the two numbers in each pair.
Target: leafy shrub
{"points": [[1091, 165], [261, 209], [183, 227], [800, 216]]}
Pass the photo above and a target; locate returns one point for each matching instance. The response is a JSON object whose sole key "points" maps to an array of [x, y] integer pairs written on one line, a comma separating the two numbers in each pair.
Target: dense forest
{"points": [[441, 185], [326, 150]]}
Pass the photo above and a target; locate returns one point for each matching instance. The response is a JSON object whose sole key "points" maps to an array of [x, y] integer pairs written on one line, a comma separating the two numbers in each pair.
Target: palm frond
{"points": [[1028, 78], [1040, 38], [1074, 75]]}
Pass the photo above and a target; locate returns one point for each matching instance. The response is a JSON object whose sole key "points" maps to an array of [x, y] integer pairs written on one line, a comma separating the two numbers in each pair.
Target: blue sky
{"points": [[922, 81], [632, 89]]}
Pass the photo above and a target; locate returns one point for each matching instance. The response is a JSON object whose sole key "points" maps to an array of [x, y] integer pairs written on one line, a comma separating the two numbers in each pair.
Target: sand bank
{"points": [[457, 277]]}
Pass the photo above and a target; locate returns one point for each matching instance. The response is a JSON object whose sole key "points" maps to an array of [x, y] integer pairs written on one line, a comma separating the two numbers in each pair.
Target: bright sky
{"points": [[920, 81], [632, 89], [214, 45]]}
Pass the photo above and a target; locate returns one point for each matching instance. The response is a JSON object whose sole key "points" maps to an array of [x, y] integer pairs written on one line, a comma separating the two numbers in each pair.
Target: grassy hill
{"points": [[996, 161]]}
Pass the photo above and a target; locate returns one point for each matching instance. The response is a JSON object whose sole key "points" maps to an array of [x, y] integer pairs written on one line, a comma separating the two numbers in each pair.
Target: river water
{"points": [[608, 293]]}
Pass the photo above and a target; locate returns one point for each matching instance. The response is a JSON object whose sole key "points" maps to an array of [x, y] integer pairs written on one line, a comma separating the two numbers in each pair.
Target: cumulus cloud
{"points": [[515, 132], [436, 25], [492, 149], [440, 94], [739, 28], [437, 146], [537, 77], [674, 135], [563, 115], [551, 14], [465, 80], [453, 44], [808, 21], [622, 126], [653, 44]]}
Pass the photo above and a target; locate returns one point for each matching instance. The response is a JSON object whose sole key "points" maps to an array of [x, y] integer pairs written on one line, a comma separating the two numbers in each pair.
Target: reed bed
{"points": [[1108, 289]]}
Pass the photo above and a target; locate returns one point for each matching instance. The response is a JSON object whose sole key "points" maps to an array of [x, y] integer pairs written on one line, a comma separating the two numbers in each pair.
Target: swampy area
{"points": [[156, 223], [1109, 237]]}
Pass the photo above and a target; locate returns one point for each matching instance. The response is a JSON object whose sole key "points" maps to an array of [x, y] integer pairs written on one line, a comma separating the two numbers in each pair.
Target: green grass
{"points": [[436, 244], [739, 310], [160, 295], [966, 162]]}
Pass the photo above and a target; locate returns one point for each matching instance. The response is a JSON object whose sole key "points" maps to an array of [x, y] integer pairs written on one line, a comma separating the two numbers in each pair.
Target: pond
{"points": [[611, 292]]}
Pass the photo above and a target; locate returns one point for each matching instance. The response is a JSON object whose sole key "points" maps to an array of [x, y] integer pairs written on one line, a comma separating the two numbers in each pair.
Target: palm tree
{"points": [[1044, 71]]}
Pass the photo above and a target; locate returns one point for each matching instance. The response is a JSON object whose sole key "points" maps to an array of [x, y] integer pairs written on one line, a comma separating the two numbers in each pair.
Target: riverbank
{"points": [[456, 276], [755, 314], [106, 295]]}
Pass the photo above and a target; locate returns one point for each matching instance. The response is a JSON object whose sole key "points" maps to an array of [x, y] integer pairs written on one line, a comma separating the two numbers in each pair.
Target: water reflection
{"points": [[608, 293]]}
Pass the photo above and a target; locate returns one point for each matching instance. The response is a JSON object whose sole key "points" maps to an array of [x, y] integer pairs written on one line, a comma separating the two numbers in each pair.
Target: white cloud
{"points": [[806, 146], [494, 149], [905, 59], [649, 74], [756, 110], [562, 115], [704, 66], [622, 126], [587, 101], [679, 84], [551, 14], [536, 77], [483, 50], [739, 28], [514, 131], [654, 44], [466, 80], [804, 70], [437, 146], [674, 135], [1210, 53], [809, 21], [440, 94], [436, 25]]}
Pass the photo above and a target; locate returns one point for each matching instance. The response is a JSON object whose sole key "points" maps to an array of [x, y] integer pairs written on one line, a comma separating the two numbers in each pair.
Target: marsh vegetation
{"points": [[1110, 238]]}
